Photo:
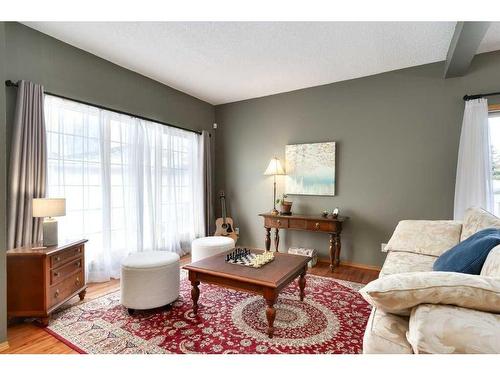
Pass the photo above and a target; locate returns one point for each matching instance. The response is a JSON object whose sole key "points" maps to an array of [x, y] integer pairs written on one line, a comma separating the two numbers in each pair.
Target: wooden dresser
{"points": [[39, 280], [331, 226]]}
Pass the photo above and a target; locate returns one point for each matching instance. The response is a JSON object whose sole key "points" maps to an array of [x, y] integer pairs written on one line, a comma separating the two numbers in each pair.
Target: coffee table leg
{"points": [[195, 294], [302, 284], [270, 312]]}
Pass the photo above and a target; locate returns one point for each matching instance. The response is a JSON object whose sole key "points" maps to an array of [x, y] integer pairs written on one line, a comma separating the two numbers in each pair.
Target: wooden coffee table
{"points": [[267, 281]]}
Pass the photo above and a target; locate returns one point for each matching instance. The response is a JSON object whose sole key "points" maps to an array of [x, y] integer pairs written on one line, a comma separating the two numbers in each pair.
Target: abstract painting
{"points": [[310, 168]]}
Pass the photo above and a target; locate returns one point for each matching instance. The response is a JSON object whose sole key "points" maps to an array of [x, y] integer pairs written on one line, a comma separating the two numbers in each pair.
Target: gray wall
{"points": [[3, 183], [397, 135], [74, 73]]}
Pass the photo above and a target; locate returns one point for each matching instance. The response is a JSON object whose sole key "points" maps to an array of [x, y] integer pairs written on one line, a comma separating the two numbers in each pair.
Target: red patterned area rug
{"points": [[331, 319]]}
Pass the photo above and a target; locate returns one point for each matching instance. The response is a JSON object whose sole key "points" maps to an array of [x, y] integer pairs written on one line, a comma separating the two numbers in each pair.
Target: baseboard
{"points": [[352, 264], [4, 346]]}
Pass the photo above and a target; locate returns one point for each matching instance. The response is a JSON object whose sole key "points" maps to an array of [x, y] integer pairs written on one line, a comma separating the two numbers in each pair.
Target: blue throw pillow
{"points": [[469, 255]]}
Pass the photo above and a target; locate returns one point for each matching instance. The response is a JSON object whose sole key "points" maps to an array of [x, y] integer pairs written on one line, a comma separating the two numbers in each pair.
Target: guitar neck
{"points": [[223, 204]]}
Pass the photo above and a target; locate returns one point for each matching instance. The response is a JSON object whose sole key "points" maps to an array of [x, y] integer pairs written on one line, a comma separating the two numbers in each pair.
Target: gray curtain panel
{"points": [[28, 165], [206, 152]]}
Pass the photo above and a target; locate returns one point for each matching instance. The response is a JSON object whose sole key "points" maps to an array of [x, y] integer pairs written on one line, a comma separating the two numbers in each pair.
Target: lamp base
{"points": [[50, 232]]}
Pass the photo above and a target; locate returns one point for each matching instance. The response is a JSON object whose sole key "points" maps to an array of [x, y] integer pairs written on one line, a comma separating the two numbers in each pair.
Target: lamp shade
{"points": [[49, 207], [274, 168]]}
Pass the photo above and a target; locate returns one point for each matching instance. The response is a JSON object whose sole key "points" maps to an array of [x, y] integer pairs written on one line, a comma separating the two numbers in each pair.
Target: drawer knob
{"points": [[56, 274], [77, 281], [316, 225], [56, 294], [78, 264], [79, 250], [57, 259]]}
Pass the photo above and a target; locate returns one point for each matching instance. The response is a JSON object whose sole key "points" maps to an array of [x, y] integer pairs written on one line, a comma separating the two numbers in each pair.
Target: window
{"points": [[494, 125], [130, 185]]}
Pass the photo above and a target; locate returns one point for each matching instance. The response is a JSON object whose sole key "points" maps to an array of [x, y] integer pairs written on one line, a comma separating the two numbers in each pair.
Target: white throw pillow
{"points": [[399, 293], [429, 237]]}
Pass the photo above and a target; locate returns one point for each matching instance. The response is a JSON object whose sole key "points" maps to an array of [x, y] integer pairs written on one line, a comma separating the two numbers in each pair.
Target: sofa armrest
{"points": [[491, 266], [429, 237], [449, 329]]}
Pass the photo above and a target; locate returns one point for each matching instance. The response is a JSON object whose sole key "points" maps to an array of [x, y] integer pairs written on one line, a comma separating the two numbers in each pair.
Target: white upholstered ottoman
{"points": [[208, 246], [149, 279]]}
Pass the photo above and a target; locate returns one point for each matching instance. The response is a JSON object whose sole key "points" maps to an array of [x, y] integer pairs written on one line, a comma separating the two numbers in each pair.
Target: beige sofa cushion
{"points": [[491, 266], [386, 333], [476, 219], [400, 261], [398, 293], [450, 329], [429, 237]]}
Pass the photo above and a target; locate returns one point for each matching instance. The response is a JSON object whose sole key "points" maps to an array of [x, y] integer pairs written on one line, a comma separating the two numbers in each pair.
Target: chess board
{"points": [[244, 257], [245, 260]]}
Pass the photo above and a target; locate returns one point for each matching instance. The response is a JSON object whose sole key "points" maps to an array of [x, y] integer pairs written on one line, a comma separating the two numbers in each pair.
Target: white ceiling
{"points": [[222, 62]]}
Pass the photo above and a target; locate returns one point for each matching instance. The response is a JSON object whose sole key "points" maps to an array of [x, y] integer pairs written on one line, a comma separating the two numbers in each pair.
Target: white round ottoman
{"points": [[149, 279], [208, 246]]}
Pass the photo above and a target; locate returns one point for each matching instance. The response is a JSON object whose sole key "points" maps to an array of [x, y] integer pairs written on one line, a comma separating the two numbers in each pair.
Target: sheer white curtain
{"points": [[474, 184], [130, 185]]}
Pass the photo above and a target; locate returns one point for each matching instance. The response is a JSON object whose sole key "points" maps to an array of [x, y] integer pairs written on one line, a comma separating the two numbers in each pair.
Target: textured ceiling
{"points": [[222, 62]]}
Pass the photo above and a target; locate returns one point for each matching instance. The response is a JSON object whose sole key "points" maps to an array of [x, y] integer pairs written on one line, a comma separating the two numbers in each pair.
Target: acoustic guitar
{"points": [[224, 225]]}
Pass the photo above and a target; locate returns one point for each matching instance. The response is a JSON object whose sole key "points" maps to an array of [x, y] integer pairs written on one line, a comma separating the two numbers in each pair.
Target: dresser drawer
{"points": [[68, 286], [63, 256], [321, 226], [272, 222], [60, 273]]}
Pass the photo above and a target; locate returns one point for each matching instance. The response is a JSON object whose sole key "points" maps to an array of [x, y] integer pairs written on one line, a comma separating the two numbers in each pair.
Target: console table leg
{"points": [[268, 239], [276, 239], [336, 240], [332, 253], [302, 284], [270, 314], [195, 294]]}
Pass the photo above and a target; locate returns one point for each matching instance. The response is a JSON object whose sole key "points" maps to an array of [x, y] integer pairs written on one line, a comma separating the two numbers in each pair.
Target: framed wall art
{"points": [[310, 168]]}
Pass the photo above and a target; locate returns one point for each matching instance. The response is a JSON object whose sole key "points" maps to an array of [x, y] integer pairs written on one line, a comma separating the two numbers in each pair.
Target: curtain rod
{"points": [[479, 96], [10, 83]]}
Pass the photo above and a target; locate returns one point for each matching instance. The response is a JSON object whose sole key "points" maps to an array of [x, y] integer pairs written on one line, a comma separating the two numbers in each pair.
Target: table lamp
{"points": [[274, 169], [48, 208]]}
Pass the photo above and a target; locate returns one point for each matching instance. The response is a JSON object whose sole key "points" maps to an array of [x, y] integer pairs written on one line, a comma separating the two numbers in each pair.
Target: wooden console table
{"points": [[333, 227]]}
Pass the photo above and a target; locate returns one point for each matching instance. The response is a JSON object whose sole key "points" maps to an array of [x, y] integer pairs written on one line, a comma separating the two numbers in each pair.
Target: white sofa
{"points": [[434, 328]]}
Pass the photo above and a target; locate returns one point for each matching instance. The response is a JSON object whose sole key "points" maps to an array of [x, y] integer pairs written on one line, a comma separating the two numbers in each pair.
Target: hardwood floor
{"points": [[344, 272], [26, 337]]}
